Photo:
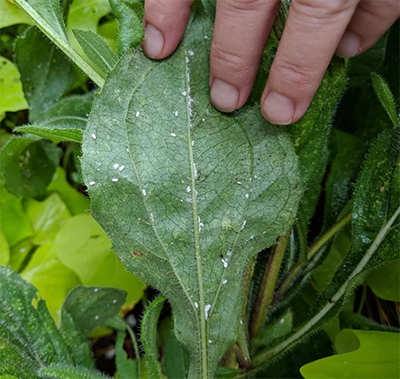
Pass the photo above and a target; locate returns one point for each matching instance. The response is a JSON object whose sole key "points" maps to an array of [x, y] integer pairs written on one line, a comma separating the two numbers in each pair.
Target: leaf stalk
{"points": [[266, 293]]}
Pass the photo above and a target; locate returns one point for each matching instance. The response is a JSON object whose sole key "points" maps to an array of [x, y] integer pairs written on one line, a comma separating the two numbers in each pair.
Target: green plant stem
{"points": [[329, 234], [268, 354], [266, 293], [242, 349], [311, 252], [60, 42], [135, 347], [248, 275]]}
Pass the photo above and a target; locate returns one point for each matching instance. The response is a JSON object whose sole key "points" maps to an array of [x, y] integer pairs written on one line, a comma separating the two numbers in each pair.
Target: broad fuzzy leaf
{"points": [[46, 72], [149, 335], [178, 185], [96, 49], [130, 29], [61, 371]]}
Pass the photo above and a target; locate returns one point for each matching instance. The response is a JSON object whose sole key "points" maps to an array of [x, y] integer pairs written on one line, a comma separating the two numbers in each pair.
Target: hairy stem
{"points": [[292, 274], [289, 342], [60, 42], [329, 234], [135, 347], [266, 293]]}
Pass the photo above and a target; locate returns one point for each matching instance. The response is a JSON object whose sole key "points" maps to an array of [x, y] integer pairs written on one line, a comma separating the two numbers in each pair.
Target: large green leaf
{"points": [[4, 250], [362, 354], [12, 97], [10, 14], [46, 72], [83, 246], [384, 282], [177, 185]]}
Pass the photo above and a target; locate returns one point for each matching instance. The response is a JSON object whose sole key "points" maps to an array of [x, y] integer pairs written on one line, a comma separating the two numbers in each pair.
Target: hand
{"points": [[314, 30]]}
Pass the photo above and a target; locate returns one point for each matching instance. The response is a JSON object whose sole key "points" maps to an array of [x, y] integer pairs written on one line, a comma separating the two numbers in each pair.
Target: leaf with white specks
{"points": [[190, 191]]}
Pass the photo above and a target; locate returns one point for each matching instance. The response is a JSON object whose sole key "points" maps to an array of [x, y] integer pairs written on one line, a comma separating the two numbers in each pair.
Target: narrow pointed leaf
{"points": [[96, 49], [149, 335], [130, 29], [60, 371], [187, 185], [91, 307], [56, 134], [385, 97]]}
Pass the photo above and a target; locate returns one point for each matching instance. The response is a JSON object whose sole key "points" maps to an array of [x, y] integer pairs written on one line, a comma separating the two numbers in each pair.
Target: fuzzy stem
{"points": [[266, 293], [292, 274], [60, 42], [135, 347], [242, 349], [329, 234]]}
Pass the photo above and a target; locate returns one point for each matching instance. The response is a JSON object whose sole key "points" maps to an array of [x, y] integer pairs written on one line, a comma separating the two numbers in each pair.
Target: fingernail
{"points": [[224, 96], [153, 42], [349, 45], [278, 109]]}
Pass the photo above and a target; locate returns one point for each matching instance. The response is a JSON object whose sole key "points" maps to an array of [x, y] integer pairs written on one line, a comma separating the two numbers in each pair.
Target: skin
{"points": [[314, 31]]}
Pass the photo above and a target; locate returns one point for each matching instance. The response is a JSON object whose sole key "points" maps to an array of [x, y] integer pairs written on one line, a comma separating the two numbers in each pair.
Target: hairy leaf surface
{"points": [[187, 194]]}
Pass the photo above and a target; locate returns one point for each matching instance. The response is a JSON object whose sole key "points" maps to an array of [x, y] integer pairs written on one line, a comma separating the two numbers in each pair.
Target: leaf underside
{"points": [[187, 194]]}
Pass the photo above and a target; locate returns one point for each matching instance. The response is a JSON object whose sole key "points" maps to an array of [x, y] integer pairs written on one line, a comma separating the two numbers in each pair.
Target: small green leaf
{"points": [[130, 30], [11, 15], [60, 371], [149, 336], [91, 307], [226, 373], [126, 368], [47, 217], [46, 72], [83, 246], [96, 49], [385, 97], [362, 354], [55, 134], [384, 282], [12, 97], [28, 164], [14, 222]]}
